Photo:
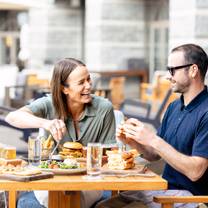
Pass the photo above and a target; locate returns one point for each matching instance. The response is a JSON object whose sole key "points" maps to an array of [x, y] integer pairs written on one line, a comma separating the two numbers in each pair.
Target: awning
{"points": [[18, 4]]}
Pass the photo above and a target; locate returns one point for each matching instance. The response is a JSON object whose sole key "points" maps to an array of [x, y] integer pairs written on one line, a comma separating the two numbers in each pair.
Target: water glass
{"points": [[34, 150], [94, 160]]}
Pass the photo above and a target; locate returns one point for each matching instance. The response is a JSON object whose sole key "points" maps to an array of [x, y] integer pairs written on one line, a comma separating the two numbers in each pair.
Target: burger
{"points": [[71, 149], [120, 160]]}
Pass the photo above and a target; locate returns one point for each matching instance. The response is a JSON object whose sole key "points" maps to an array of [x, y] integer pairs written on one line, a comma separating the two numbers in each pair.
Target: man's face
{"points": [[179, 79], [79, 89]]}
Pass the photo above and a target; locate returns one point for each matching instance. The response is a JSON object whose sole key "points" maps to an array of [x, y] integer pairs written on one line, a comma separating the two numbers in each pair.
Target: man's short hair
{"points": [[194, 54]]}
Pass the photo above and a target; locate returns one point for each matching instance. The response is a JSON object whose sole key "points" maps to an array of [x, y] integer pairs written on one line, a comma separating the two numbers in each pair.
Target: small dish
{"points": [[57, 157]]}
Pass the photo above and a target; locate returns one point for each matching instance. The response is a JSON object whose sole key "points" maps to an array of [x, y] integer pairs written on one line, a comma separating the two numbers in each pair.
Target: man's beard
{"points": [[181, 87]]}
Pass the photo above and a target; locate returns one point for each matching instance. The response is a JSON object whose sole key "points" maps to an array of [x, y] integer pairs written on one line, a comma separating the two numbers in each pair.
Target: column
{"points": [[114, 32]]}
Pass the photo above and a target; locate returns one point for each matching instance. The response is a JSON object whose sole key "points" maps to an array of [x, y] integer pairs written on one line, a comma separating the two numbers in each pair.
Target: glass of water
{"points": [[94, 160], [34, 150]]}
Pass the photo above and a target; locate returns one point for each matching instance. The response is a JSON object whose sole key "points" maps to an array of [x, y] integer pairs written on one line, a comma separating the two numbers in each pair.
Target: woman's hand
{"points": [[56, 127]]}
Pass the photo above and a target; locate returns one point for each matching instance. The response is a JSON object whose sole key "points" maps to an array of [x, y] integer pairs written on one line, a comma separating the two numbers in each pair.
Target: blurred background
{"points": [[129, 38], [124, 43]]}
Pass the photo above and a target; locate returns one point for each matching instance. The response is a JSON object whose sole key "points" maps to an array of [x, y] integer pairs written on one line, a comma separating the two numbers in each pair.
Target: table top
{"points": [[77, 182], [142, 74], [122, 72]]}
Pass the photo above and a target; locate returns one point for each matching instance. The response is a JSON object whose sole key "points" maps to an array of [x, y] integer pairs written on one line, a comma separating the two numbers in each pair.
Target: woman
{"points": [[70, 113]]}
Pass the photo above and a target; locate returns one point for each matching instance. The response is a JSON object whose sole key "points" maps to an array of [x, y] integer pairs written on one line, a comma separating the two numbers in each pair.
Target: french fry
{"points": [[48, 143]]}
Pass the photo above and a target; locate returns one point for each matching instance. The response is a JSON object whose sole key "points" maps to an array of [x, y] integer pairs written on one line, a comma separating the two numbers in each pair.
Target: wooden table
{"points": [[142, 74], [102, 91], [76, 183]]}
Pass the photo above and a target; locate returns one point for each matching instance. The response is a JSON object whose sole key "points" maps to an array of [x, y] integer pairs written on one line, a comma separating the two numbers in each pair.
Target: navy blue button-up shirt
{"points": [[186, 129]]}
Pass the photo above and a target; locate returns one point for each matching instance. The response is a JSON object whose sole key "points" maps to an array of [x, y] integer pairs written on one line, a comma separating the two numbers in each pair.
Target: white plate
{"points": [[58, 171]]}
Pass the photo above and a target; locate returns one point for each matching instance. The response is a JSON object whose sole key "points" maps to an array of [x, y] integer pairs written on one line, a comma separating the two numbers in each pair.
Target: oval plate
{"points": [[58, 171]]}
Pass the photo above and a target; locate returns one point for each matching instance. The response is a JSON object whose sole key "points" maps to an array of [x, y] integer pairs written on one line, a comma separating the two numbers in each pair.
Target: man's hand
{"points": [[135, 134], [136, 131], [57, 128], [121, 135]]}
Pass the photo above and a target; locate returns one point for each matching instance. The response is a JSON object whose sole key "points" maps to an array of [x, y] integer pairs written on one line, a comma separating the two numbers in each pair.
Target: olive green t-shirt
{"points": [[97, 123]]}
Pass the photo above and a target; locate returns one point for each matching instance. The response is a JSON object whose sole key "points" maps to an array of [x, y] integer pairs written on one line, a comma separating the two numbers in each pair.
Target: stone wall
{"points": [[55, 33], [114, 33], [189, 22], [201, 26], [181, 22]]}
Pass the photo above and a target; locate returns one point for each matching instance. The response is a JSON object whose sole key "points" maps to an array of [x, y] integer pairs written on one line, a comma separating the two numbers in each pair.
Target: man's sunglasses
{"points": [[172, 69]]}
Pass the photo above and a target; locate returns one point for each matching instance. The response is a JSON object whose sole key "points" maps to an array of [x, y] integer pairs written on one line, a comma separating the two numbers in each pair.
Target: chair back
{"points": [[141, 110], [154, 91], [26, 131], [116, 85], [163, 104], [119, 117]]}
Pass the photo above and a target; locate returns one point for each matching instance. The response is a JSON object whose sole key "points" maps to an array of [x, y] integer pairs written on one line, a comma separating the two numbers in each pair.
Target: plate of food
{"points": [[123, 164], [67, 167]]}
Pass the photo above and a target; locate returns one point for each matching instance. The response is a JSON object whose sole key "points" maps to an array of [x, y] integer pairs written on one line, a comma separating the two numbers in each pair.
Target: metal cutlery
{"points": [[55, 149]]}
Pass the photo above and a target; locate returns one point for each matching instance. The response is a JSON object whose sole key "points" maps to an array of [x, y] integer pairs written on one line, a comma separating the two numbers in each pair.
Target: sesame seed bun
{"points": [[72, 145]]}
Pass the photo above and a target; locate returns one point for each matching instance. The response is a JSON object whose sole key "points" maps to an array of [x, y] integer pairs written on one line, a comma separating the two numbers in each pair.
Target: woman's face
{"points": [[79, 86]]}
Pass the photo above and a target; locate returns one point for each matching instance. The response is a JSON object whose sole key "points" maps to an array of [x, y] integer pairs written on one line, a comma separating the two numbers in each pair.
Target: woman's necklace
{"points": [[78, 117], [76, 125]]}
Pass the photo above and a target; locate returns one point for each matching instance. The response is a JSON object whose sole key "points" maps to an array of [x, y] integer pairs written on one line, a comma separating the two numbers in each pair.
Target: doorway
{"points": [[9, 47], [159, 36]]}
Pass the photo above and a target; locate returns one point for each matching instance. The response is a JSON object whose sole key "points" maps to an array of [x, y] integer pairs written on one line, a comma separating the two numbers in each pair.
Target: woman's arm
{"points": [[24, 118]]}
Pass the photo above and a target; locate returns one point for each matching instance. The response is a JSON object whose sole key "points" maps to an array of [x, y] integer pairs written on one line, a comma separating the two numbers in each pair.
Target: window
{"points": [[9, 47], [158, 46]]}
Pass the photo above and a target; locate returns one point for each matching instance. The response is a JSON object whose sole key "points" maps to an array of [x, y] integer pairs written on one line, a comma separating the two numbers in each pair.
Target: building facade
{"points": [[105, 34]]}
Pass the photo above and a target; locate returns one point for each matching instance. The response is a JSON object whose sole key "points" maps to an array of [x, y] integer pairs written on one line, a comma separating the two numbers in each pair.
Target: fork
{"points": [[55, 149]]}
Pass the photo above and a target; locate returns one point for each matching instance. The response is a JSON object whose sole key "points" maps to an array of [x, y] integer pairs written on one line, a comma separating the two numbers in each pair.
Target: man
{"points": [[182, 139]]}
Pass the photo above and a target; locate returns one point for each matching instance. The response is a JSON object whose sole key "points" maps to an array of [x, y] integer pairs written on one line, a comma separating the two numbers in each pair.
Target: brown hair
{"points": [[61, 71], [194, 54]]}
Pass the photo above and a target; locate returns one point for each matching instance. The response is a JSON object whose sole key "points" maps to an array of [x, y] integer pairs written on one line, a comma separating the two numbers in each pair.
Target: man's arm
{"points": [[191, 166]]}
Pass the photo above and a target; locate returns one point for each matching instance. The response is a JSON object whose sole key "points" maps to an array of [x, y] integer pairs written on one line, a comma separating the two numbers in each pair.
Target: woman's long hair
{"points": [[61, 71]]}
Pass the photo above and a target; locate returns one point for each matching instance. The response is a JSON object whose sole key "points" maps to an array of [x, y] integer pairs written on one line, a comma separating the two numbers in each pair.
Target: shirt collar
{"points": [[196, 101], [89, 111]]}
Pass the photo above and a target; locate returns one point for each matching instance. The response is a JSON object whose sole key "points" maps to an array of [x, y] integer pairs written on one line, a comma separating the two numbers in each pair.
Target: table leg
{"points": [[115, 193], [12, 199], [62, 200]]}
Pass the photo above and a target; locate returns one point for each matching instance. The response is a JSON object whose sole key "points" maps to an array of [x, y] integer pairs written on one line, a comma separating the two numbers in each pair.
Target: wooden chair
{"points": [[116, 86], [154, 91], [134, 108], [168, 201], [26, 131], [18, 95]]}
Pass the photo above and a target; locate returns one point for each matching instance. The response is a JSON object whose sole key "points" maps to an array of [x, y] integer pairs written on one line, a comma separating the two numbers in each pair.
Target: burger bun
{"points": [[72, 145]]}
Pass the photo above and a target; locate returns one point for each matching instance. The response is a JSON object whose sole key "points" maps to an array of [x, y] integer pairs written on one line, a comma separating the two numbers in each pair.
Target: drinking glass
{"points": [[9, 152], [94, 160], [120, 119], [34, 150]]}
